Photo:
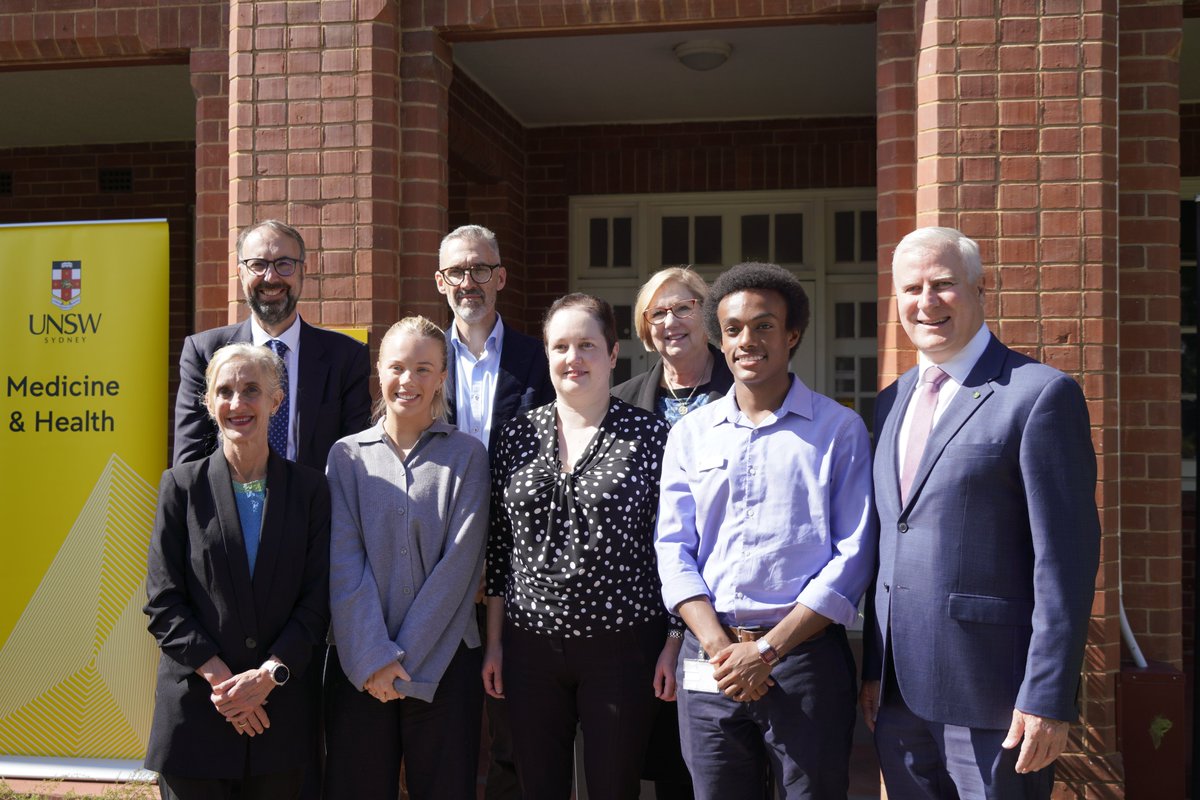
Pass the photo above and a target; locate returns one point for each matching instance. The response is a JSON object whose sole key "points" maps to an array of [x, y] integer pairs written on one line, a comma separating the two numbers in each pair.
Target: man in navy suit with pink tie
{"points": [[985, 482]]}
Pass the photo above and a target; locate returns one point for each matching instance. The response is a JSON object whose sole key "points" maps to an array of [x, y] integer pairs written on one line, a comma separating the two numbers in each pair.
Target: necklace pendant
{"points": [[681, 407]]}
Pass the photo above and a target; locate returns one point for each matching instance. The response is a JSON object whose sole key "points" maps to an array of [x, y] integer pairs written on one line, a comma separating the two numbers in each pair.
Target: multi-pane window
{"points": [[855, 362]]}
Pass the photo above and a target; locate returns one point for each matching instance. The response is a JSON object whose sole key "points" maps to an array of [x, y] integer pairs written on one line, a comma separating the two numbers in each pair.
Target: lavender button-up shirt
{"points": [[759, 518]]}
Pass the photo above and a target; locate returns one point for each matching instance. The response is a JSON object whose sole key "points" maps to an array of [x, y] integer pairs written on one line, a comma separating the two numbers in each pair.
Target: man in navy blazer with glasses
{"points": [[494, 374], [985, 481]]}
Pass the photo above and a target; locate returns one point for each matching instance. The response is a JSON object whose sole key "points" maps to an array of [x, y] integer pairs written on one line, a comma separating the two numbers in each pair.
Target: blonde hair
{"points": [[425, 328], [268, 365], [685, 276]]}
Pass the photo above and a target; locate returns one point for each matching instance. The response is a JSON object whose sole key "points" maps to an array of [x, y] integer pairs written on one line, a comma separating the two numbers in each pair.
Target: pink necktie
{"points": [[922, 424]]}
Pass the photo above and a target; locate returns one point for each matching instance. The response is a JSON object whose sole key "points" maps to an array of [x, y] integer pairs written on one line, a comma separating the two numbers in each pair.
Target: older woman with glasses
{"points": [[669, 320]]}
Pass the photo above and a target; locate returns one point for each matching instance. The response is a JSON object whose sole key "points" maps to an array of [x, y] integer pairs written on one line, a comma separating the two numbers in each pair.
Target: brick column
{"points": [[314, 130], [210, 81], [1015, 144], [1151, 36], [896, 120], [426, 68]]}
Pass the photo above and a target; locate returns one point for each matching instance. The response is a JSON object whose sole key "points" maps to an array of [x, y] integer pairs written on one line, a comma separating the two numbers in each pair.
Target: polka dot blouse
{"points": [[573, 552]]}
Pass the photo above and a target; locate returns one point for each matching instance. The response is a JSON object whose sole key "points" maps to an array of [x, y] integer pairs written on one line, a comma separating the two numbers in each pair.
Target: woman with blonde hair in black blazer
{"points": [[238, 597]]}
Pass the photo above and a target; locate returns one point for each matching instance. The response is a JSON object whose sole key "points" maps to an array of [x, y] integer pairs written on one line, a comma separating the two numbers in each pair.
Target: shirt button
{"points": [[903, 527], [251, 643], [407, 590], [403, 551], [400, 511], [750, 513]]}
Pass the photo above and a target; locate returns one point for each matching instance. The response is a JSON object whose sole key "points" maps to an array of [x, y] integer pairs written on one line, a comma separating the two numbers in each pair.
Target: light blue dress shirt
{"points": [[759, 518], [475, 382]]}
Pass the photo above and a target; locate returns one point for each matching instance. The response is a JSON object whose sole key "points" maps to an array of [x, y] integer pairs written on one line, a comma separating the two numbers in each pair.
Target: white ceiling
{"points": [[784, 71]]}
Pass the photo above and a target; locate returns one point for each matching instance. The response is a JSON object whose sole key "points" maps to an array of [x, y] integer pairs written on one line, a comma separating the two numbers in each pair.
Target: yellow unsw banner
{"points": [[83, 360]]}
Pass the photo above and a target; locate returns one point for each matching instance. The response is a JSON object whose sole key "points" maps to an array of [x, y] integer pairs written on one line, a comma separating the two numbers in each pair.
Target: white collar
{"points": [[494, 341], [290, 337]]}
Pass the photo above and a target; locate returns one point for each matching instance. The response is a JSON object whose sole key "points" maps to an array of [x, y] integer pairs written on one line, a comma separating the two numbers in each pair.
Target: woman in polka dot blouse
{"points": [[577, 630]]}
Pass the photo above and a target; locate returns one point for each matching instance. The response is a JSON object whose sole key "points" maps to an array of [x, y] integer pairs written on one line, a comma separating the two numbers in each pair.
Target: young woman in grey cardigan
{"points": [[410, 520]]}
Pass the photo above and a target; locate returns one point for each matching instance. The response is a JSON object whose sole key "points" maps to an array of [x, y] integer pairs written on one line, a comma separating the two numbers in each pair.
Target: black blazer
{"points": [[522, 383], [332, 396], [642, 390], [202, 602]]}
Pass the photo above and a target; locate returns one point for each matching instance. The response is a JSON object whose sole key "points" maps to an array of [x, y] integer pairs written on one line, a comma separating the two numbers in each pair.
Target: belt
{"points": [[754, 634]]}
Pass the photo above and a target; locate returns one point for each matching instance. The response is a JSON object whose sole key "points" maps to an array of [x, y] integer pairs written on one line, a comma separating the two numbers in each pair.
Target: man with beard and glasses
{"points": [[494, 373], [325, 396]]}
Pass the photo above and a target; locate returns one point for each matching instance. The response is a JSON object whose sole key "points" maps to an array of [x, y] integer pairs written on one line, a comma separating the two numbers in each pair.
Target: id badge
{"points": [[698, 676]]}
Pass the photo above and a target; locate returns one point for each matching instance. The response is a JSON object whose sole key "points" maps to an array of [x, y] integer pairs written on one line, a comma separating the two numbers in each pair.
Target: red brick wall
{"points": [[683, 157], [60, 184]]}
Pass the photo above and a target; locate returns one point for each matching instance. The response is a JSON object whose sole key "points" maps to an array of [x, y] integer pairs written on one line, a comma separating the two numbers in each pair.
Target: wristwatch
{"points": [[278, 672], [767, 652]]}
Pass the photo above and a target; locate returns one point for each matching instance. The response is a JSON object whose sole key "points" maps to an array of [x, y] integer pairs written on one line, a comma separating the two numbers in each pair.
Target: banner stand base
{"points": [[86, 769]]}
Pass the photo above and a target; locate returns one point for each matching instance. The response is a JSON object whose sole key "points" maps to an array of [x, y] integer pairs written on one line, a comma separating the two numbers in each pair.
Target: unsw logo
{"points": [[66, 282]]}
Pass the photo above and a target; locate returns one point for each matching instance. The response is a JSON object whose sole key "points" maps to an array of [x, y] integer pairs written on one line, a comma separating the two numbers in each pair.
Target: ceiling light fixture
{"points": [[702, 54]]}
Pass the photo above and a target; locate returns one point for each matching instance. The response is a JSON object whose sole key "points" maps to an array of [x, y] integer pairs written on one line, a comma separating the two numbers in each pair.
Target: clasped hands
{"points": [[381, 685], [240, 698], [741, 673]]}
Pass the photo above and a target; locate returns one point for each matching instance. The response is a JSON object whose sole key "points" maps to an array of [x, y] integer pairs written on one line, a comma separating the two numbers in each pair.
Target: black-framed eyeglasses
{"points": [[283, 266], [682, 310], [480, 273]]}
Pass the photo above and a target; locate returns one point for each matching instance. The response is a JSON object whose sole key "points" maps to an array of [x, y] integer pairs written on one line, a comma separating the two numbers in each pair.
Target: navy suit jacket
{"points": [[986, 574], [332, 395], [522, 382], [202, 601]]}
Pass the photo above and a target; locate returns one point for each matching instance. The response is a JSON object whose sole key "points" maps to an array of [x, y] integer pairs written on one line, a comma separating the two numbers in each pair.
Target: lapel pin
{"points": [[976, 395]]}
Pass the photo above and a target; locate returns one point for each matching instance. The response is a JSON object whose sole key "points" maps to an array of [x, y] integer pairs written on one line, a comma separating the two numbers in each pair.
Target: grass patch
{"points": [[134, 790]]}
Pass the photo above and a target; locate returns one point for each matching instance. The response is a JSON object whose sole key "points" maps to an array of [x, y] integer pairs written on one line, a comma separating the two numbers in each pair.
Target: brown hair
{"points": [[595, 307]]}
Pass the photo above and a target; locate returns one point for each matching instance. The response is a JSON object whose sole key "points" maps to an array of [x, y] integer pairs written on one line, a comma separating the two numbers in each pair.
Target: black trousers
{"points": [[605, 684], [438, 742], [277, 786], [501, 772]]}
